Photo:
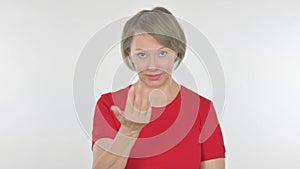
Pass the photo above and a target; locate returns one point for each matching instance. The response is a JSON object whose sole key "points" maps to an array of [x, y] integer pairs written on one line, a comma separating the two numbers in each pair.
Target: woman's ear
{"points": [[131, 62], [176, 59]]}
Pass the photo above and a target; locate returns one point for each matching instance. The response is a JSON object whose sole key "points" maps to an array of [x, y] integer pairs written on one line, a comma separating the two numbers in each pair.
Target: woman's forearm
{"points": [[218, 163], [116, 151]]}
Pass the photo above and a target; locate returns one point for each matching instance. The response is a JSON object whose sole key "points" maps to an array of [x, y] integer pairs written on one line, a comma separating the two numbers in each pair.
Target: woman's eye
{"points": [[141, 55], [163, 53]]}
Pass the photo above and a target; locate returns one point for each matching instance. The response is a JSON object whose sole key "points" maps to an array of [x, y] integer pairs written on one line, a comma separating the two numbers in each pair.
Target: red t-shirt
{"points": [[179, 135]]}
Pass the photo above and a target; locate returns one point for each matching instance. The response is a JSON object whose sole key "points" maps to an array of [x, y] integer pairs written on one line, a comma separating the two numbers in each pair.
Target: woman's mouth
{"points": [[153, 77]]}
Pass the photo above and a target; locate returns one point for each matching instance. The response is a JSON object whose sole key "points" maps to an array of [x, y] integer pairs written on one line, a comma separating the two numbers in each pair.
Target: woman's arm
{"points": [[218, 163], [113, 154]]}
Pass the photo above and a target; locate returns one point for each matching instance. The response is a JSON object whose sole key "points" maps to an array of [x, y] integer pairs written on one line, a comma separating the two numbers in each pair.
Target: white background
{"points": [[257, 43]]}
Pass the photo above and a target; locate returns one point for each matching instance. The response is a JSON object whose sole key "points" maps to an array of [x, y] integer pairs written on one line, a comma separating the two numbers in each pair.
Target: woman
{"points": [[135, 127]]}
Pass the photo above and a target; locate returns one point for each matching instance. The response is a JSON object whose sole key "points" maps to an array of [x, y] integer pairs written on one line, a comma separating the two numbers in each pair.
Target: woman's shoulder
{"points": [[193, 94], [200, 102], [116, 97]]}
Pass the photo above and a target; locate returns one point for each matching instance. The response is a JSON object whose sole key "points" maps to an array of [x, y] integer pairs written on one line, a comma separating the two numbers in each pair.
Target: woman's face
{"points": [[153, 62]]}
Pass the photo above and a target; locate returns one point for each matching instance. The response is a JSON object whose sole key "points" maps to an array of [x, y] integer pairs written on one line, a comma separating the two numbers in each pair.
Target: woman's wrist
{"points": [[129, 132]]}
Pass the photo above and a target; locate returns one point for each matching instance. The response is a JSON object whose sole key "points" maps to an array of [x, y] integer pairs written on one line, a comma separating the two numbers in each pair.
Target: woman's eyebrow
{"points": [[150, 48], [139, 49]]}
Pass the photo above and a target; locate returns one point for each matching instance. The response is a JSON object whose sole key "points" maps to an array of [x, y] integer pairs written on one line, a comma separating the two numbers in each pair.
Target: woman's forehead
{"points": [[145, 41]]}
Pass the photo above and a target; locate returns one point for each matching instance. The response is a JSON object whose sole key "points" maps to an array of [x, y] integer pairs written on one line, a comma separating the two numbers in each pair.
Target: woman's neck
{"points": [[163, 95]]}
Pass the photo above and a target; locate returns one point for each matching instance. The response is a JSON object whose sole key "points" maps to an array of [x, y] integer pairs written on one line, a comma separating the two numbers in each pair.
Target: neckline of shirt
{"points": [[169, 105]]}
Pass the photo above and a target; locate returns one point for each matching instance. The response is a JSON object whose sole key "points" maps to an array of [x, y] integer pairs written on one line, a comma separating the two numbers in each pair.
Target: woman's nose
{"points": [[152, 62]]}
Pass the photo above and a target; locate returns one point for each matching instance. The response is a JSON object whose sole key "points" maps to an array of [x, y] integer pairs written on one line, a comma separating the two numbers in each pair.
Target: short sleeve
{"points": [[104, 121], [211, 137]]}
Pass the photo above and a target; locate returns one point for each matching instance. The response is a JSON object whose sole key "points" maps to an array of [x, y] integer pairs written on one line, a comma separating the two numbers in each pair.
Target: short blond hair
{"points": [[161, 25]]}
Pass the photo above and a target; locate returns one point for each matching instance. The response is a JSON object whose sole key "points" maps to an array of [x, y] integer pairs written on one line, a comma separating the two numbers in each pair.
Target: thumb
{"points": [[116, 110]]}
